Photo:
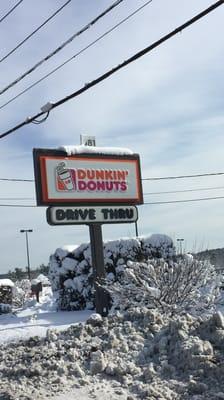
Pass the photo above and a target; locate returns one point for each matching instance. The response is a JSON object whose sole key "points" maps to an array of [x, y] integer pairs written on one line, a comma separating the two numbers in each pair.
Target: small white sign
{"points": [[89, 215], [88, 140]]}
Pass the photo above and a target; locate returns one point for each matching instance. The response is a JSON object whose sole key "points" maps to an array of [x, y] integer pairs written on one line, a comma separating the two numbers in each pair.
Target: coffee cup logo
{"points": [[64, 177]]}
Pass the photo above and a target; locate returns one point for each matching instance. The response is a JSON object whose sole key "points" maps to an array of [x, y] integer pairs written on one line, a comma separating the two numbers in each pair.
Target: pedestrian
{"points": [[36, 288]]}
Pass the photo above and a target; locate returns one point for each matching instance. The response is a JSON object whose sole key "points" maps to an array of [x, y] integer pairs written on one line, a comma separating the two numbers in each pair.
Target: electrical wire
{"points": [[143, 179], [184, 191], [183, 201], [35, 121], [17, 205], [62, 46], [182, 176], [10, 11], [16, 180], [74, 56], [145, 194], [144, 204], [35, 31], [16, 198], [107, 74]]}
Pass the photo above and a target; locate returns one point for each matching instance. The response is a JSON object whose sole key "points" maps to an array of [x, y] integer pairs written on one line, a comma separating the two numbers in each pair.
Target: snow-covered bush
{"points": [[184, 284], [6, 294], [71, 271], [21, 292]]}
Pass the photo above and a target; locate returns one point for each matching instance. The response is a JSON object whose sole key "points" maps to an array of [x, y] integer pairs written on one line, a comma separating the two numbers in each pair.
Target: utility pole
{"points": [[27, 250]]}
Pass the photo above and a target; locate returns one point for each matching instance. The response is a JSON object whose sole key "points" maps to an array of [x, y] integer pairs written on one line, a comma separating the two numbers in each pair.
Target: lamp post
{"points": [[180, 241], [27, 249], [136, 229]]}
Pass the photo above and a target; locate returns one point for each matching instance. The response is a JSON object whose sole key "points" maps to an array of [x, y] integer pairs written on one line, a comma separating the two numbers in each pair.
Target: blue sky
{"points": [[167, 106]]}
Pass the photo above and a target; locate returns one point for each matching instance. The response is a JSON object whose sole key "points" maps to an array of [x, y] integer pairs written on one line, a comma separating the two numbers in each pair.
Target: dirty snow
{"points": [[138, 354]]}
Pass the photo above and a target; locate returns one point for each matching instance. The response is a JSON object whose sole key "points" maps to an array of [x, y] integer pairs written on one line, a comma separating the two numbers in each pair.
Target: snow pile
{"points": [[142, 352], [6, 282], [71, 272], [43, 279], [83, 149]]}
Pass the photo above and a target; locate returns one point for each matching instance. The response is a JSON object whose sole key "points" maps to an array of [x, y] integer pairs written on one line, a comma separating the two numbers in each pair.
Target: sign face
{"points": [[88, 140], [91, 215], [86, 179]]}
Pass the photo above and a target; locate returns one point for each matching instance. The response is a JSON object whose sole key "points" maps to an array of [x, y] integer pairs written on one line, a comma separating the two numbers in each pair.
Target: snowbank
{"points": [[6, 282], [141, 354], [43, 279]]}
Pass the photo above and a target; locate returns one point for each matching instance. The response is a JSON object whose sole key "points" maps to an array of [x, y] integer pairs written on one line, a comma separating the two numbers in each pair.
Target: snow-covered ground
{"points": [[103, 390], [34, 319], [139, 351]]}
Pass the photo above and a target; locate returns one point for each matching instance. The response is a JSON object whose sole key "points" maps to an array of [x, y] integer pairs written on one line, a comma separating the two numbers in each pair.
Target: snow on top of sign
{"points": [[70, 150], [6, 282]]}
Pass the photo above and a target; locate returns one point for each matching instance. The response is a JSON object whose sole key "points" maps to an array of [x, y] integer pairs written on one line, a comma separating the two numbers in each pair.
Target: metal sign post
{"points": [[101, 295]]}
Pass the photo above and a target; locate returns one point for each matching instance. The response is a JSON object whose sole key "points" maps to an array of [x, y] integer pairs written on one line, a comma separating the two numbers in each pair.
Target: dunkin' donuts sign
{"points": [[90, 179], [86, 178]]}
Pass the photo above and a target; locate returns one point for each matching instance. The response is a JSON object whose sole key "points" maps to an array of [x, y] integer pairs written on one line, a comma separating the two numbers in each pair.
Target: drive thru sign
{"points": [[89, 215], [89, 188]]}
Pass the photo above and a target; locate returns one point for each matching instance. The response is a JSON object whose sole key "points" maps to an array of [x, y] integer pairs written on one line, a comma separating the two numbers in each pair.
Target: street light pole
{"points": [[136, 229], [180, 244], [27, 250]]}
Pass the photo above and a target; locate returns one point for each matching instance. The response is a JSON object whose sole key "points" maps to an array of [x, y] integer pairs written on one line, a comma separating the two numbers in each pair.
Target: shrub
{"points": [[71, 272], [184, 284]]}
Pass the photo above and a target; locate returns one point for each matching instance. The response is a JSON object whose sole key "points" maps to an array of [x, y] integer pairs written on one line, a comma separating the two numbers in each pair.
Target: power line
{"points": [[184, 201], [35, 31], [11, 10], [117, 68], [143, 179], [16, 180], [17, 205], [180, 176], [16, 198], [144, 204], [75, 55], [145, 194], [183, 191], [62, 46]]}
